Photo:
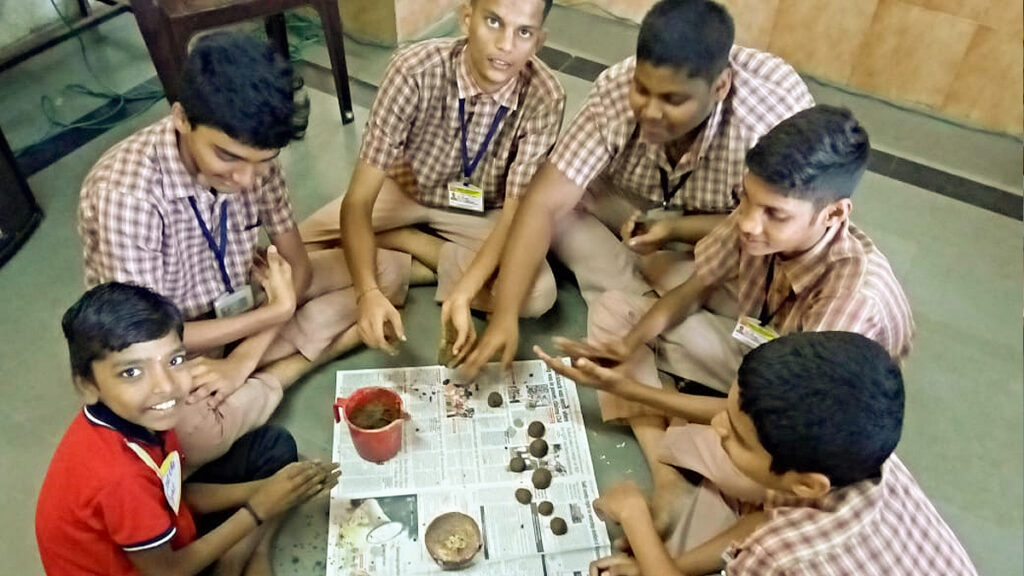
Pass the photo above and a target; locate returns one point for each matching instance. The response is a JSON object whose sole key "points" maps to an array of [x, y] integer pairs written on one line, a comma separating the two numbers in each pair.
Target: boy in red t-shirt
{"points": [[113, 502]]}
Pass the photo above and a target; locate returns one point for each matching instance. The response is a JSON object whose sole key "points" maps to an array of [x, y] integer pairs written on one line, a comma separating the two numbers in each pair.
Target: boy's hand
{"points": [[456, 316], [651, 237], [214, 379], [380, 324], [623, 498], [607, 354], [500, 338], [276, 278], [292, 485], [586, 373], [615, 565], [634, 226]]}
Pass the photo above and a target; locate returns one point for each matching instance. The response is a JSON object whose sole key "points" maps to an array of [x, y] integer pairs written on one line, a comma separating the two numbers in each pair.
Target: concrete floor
{"points": [[960, 265]]}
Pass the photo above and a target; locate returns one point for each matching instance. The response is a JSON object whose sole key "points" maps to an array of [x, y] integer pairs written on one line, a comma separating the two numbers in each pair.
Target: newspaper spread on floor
{"points": [[455, 457]]}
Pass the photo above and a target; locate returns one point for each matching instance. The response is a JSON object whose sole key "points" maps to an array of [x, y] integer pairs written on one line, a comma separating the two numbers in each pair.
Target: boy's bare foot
{"points": [[259, 563], [671, 496], [290, 369], [421, 275]]}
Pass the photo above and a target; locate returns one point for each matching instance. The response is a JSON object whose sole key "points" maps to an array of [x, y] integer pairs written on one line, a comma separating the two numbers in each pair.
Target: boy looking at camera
{"points": [[112, 501], [179, 207], [455, 134]]}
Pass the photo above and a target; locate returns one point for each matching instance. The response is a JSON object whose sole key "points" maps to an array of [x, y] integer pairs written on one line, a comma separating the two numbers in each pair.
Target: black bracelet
{"points": [[255, 516]]}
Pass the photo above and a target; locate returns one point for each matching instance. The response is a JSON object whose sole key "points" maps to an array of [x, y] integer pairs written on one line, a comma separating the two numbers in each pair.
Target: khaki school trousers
{"points": [[327, 310], [463, 233]]}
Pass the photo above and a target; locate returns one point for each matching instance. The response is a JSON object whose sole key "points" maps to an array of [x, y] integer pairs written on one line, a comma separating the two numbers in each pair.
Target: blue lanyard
{"points": [[469, 167], [218, 251]]}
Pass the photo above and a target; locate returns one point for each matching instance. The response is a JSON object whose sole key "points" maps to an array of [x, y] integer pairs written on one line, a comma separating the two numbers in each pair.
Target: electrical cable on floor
{"points": [[120, 99]]}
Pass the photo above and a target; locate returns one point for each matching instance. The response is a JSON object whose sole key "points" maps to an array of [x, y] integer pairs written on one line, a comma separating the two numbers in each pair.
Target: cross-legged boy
{"points": [[653, 161], [113, 502], [813, 418], [455, 135], [787, 260], [179, 206]]}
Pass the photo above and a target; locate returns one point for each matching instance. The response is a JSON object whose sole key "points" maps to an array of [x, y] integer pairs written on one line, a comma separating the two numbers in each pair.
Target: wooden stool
{"points": [[168, 25]]}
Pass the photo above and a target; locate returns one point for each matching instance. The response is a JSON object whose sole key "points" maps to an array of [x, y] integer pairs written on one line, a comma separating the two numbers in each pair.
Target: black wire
{"points": [[121, 99]]}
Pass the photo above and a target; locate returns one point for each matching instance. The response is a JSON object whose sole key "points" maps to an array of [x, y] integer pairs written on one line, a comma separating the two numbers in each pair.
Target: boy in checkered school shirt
{"points": [[787, 260], [813, 418], [178, 207], [478, 113], [652, 162]]}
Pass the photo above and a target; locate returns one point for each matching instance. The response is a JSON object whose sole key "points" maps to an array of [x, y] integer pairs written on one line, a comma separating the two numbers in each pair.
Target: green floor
{"points": [[961, 267]]}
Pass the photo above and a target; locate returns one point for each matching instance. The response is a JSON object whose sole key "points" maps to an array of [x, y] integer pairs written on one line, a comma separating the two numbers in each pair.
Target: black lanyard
{"points": [[765, 317], [667, 194], [218, 251], [468, 167]]}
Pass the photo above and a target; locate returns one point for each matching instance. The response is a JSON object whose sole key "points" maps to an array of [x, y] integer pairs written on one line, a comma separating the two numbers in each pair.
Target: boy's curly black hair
{"points": [[241, 86]]}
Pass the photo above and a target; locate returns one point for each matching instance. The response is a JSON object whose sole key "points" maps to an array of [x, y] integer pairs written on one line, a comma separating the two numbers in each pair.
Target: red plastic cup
{"points": [[378, 444]]}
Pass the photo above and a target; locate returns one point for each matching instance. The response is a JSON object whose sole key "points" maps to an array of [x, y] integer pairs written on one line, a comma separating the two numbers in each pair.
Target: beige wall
{"points": [[391, 22], [963, 59]]}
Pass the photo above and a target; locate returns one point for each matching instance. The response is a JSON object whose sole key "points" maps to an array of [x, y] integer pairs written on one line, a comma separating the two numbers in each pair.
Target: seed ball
{"points": [[517, 464], [545, 508], [558, 526], [524, 496], [536, 429], [495, 400], [541, 478], [539, 448]]}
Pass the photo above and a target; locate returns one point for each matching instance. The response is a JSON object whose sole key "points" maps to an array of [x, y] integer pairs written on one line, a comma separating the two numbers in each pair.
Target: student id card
{"points": [[465, 196], [234, 303], [169, 473], [750, 332]]}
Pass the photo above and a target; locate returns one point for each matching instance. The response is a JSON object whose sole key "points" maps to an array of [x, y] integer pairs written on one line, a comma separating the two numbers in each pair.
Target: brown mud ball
{"points": [[538, 448], [541, 478], [536, 429], [545, 508], [495, 400], [558, 526], [517, 464], [524, 496]]}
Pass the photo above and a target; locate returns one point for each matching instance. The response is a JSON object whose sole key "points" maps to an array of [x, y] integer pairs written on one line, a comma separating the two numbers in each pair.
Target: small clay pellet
{"points": [[558, 526], [524, 496], [538, 448], [536, 429], [517, 464], [495, 400], [545, 508], [541, 478]]}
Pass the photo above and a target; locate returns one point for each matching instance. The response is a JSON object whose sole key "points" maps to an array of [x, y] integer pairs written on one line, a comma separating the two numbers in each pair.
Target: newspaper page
{"points": [[455, 457]]}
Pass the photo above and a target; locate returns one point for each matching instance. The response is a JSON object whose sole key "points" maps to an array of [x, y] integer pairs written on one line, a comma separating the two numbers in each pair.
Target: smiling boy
{"points": [[455, 135], [813, 418], [179, 207], [113, 502]]}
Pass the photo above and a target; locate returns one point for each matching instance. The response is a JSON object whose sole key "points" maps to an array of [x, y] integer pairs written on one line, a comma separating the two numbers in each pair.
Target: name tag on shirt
{"points": [[465, 197], [170, 477], [750, 332], [169, 473], [234, 303]]}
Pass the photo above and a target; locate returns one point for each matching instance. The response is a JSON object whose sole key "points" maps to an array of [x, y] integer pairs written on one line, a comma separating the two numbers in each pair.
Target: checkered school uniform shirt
{"points": [[415, 135], [880, 527], [137, 226], [604, 139], [842, 283]]}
